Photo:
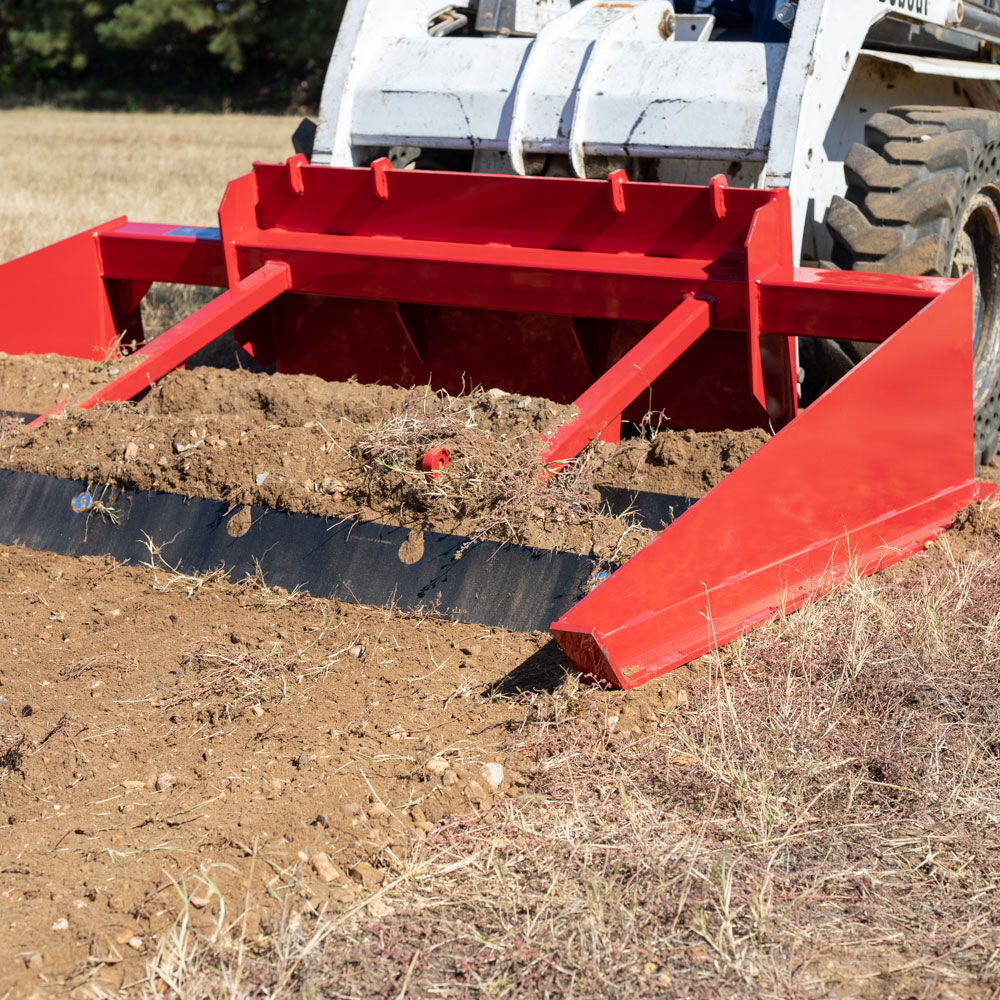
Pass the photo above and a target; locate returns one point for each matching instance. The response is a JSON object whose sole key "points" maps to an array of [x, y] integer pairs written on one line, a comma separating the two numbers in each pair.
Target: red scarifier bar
{"points": [[622, 383]]}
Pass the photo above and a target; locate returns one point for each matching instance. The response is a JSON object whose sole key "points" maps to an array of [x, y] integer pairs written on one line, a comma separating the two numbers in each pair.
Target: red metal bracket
{"points": [[175, 346], [380, 177], [433, 462], [617, 180], [623, 382], [717, 187], [295, 164]]}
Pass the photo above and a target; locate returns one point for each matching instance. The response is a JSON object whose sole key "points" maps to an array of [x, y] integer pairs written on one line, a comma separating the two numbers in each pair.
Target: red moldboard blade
{"points": [[863, 477]]}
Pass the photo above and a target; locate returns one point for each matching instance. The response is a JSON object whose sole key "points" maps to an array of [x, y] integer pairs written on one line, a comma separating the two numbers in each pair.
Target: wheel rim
{"points": [[977, 251]]}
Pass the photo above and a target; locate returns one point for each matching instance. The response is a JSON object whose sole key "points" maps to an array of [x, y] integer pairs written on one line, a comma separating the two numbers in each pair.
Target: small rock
{"points": [[377, 809], [377, 908], [367, 874], [131, 451], [261, 478], [682, 698], [61, 924], [180, 446], [611, 723], [356, 651], [449, 778], [325, 868], [437, 766], [476, 794], [33, 960], [493, 775], [164, 781], [496, 393], [258, 711], [200, 902], [136, 943], [684, 760], [473, 650]]}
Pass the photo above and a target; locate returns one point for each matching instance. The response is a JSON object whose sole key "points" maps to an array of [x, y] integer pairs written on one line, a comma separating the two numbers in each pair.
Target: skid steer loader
{"points": [[611, 204]]}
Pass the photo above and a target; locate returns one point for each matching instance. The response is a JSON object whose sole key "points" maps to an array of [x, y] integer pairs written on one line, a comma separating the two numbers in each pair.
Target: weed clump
{"points": [[231, 679], [493, 476], [12, 752]]}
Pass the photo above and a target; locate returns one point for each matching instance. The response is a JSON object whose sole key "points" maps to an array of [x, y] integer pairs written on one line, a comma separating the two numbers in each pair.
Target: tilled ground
{"points": [[171, 743], [231, 746], [249, 759]]}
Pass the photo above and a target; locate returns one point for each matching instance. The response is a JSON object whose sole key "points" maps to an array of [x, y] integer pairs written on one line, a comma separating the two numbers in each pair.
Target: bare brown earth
{"points": [[342, 449], [162, 741]]}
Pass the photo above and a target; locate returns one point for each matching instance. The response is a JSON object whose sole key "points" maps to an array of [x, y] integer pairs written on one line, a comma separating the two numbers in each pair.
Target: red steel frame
{"points": [[550, 286]]}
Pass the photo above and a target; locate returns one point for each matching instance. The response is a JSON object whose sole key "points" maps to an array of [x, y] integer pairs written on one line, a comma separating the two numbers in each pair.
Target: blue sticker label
{"points": [[208, 233], [82, 502]]}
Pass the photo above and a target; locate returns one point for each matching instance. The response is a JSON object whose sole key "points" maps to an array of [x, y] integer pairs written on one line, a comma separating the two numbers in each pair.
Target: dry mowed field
{"points": [[213, 787]]}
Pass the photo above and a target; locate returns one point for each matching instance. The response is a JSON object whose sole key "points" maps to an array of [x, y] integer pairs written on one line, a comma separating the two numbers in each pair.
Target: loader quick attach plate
{"points": [[620, 297]]}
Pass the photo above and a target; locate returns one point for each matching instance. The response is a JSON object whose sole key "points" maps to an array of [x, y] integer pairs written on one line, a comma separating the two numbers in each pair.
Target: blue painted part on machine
{"points": [[210, 234]]}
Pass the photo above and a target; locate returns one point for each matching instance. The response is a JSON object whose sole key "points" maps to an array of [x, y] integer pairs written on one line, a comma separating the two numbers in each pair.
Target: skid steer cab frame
{"points": [[607, 292]]}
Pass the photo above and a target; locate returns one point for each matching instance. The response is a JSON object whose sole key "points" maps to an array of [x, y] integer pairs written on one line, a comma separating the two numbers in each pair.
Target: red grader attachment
{"points": [[618, 296]]}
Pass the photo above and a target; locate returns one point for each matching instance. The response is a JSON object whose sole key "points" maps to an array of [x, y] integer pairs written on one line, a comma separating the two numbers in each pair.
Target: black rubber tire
{"points": [[923, 197]]}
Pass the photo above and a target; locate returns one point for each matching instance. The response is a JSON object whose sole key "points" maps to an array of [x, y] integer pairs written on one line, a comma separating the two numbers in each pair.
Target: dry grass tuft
{"points": [[230, 678], [175, 577], [493, 477], [13, 748], [122, 664], [10, 427]]}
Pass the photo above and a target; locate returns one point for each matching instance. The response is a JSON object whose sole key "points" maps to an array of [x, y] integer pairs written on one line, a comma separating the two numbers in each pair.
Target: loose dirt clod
{"points": [[325, 868]]}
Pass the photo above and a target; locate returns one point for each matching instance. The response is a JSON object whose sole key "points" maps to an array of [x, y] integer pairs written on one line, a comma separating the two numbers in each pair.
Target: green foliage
{"points": [[258, 52]]}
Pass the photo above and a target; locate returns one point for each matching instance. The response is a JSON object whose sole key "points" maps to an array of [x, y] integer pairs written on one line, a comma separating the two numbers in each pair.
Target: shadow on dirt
{"points": [[544, 670]]}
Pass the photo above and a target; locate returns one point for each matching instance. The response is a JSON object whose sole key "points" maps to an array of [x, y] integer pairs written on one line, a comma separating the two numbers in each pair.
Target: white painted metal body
{"points": [[606, 84]]}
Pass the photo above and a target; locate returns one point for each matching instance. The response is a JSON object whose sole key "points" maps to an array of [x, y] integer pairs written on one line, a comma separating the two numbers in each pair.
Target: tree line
{"points": [[255, 54]]}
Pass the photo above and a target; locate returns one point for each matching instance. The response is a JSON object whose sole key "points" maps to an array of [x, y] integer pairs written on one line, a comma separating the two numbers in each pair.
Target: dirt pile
{"points": [[342, 449]]}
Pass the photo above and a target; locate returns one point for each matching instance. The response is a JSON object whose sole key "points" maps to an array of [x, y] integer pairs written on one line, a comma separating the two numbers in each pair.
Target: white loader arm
{"points": [[602, 78], [631, 80]]}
